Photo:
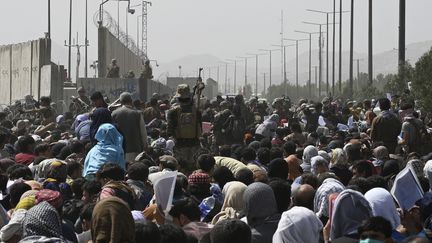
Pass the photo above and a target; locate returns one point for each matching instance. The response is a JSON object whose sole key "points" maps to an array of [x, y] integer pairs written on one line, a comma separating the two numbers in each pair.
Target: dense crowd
{"points": [[244, 170]]}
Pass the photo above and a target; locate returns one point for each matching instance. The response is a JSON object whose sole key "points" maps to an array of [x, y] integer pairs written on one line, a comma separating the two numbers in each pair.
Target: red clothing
{"points": [[24, 159]]}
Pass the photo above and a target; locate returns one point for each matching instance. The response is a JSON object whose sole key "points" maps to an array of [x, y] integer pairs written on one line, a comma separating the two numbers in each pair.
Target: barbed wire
{"points": [[112, 26]]}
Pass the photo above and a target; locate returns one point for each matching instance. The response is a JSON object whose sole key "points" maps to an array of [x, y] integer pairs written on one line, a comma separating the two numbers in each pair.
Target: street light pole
{"points": [[340, 46], [270, 57], [49, 19], [370, 46], [235, 73], [351, 49], [86, 41], [296, 45], [70, 41], [402, 6]]}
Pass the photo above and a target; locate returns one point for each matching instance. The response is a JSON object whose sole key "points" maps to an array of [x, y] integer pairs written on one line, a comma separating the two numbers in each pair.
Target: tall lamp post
{"points": [[296, 45], [320, 56], [270, 59], [284, 68], [310, 54], [256, 71], [328, 40], [235, 72], [245, 73]]}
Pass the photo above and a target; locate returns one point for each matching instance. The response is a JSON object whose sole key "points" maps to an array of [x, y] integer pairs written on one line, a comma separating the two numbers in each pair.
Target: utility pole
{"points": [[402, 6], [340, 46], [256, 71], [351, 49], [358, 73], [245, 75], [370, 47], [310, 55], [264, 90], [235, 73], [284, 67], [270, 61], [86, 41], [283, 71], [77, 46], [320, 55], [70, 41], [316, 78], [49, 19], [296, 45]]}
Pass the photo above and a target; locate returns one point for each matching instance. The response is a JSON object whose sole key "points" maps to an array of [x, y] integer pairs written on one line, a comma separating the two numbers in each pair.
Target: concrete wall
{"points": [[111, 48], [20, 71], [112, 88]]}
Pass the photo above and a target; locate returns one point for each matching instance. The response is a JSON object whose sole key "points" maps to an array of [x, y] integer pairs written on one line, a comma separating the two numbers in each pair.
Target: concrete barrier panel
{"points": [[5, 79]]}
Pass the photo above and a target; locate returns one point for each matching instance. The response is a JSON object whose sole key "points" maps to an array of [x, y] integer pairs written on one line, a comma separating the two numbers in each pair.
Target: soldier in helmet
{"points": [[147, 72], [184, 125], [113, 70]]}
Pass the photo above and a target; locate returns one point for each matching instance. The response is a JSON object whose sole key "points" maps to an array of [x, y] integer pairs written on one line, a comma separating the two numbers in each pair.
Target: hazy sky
{"points": [[224, 28]]}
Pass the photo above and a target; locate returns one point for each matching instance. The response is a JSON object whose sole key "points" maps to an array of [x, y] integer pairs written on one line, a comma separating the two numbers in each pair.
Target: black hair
{"points": [[188, 207], [111, 171], [310, 179], [64, 152], [376, 224], [384, 104], [353, 152], [92, 187], [265, 143], [41, 148], [245, 176], [45, 99], [73, 166], [77, 186], [77, 146], [19, 171], [172, 233], [289, 148], [363, 167], [276, 153], [4, 135], [206, 162], [148, 231], [263, 155], [360, 184], [223, 175], [16, 191], [282, 191], [278, 168], [199, 191], [87, 211], [96, 96], [138, 171], [231, 231], [24, 142], [248, 154], [377, 181]]}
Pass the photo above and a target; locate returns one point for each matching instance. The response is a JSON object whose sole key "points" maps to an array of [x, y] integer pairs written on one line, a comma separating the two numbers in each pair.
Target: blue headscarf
{"points": [[99, 117], [107, 150]]}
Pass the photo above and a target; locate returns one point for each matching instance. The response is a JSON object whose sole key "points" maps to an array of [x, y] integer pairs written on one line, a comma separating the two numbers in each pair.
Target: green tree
{"points": [[395, 85], [422, 81]]}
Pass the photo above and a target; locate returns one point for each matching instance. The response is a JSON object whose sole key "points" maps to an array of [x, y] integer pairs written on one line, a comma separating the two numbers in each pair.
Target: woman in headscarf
{"points": [[309, 152], [233, 202], [350, 209], [382, 204], [82, 126], [339, 165], [261, 212], [321, 199], [42, 222], [107, 150], [112, 222], [98, 117], [427, 171], [319, 165], [298, 225]]}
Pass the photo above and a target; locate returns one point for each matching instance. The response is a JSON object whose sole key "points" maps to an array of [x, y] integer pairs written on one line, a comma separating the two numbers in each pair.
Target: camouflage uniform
{"points": [[186, 143]]}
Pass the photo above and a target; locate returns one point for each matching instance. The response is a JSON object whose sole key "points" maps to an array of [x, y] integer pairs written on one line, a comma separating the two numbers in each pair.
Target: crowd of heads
{"points": [[246, 170]]}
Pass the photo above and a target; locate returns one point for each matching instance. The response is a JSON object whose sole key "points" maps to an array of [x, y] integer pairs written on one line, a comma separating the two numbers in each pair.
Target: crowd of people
{"points": [[246, 171]]}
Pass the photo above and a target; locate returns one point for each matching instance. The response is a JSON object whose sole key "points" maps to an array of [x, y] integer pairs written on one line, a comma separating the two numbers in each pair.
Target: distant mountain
{"points": [[384, 62]]}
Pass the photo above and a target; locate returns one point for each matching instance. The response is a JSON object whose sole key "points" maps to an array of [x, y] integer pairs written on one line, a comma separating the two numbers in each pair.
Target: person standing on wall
{"points": [[131, 124]]}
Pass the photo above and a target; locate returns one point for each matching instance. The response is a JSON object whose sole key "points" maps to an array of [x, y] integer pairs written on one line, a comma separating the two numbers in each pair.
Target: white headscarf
{"points": [[427, 171], [382, 204], [321, 200], [299, 225]]}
